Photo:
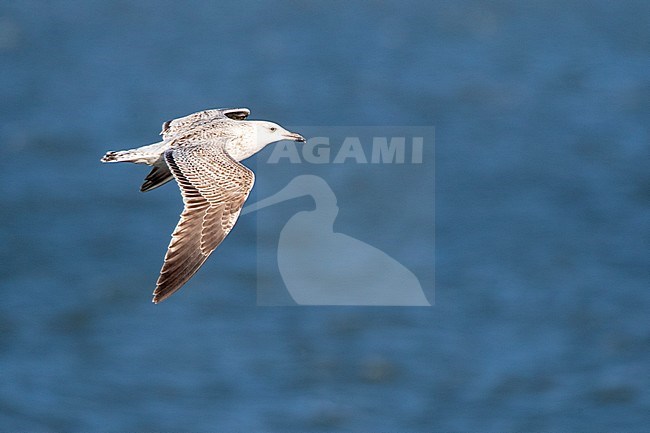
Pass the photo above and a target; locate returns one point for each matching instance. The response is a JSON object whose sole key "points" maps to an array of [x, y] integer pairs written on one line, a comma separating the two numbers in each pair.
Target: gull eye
{"points": [[273, 129]]}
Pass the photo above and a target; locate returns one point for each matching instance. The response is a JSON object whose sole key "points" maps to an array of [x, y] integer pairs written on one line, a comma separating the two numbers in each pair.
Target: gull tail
{"points": [[142, 155], [150, 155], [120, 156]]}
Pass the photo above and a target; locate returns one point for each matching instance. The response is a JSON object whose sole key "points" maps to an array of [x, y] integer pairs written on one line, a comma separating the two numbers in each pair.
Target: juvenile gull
{"points": [[202, 152]]}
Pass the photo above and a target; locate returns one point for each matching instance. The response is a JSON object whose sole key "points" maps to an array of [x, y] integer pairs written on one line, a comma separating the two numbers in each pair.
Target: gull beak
{"points": [[295, 137]]}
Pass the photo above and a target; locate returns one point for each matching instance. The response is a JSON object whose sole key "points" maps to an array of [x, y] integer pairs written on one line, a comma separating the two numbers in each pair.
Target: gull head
{"points": [[269, 132]]}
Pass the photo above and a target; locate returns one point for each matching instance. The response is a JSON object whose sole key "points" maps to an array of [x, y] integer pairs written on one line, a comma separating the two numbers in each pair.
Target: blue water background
{"points": [[542, 224]]}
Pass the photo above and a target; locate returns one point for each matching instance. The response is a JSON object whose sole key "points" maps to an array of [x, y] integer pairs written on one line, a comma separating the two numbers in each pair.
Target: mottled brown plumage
{"points": [[214, 189], [202, 152]]}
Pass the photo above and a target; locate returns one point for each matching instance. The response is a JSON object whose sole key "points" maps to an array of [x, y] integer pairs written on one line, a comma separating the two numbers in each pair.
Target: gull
{"points": [[202, 151]]}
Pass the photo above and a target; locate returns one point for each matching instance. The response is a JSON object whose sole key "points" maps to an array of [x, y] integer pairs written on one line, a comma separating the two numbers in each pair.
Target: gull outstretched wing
{"points": [[214, 188], [175, 126]]}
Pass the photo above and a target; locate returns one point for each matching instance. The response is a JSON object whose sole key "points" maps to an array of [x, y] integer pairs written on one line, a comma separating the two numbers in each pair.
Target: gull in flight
{"points": [[202, 152]]}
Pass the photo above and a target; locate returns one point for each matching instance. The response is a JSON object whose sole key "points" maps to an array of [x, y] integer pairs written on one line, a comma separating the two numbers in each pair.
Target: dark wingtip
{"points": [[156, 297], [157, 177], [160, 295]]}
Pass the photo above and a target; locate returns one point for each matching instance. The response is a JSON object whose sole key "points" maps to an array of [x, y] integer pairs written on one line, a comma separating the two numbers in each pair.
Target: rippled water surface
{"points": [[542, 221]]}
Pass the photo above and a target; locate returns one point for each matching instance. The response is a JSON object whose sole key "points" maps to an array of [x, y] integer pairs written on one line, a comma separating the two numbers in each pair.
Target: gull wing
{"points": [[172, 127], [236, 113], [214, 188], [159, 175]]}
